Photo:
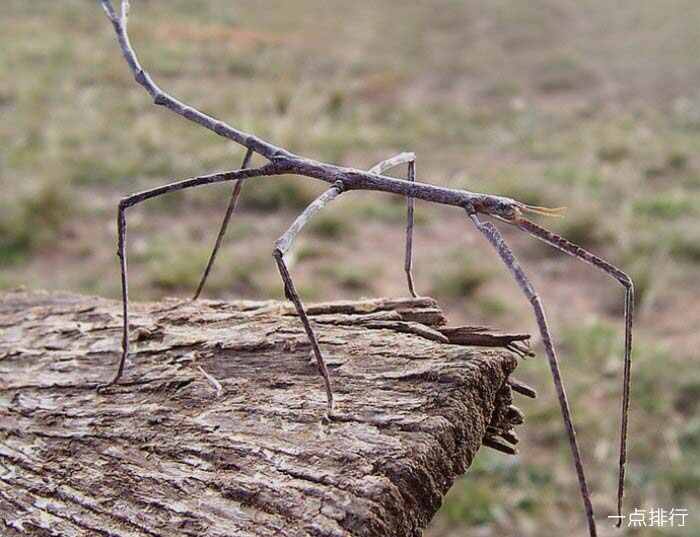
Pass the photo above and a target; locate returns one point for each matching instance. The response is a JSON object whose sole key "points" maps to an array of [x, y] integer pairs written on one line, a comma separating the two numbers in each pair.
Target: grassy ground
{"points": [[588, 104]]}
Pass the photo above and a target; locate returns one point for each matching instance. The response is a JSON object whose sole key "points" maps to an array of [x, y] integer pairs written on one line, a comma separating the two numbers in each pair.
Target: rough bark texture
{"points": [[171, 451]]}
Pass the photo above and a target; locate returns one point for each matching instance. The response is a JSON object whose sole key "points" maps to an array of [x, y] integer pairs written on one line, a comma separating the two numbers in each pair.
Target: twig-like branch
{"points": [[381, 168], [164, 99], [343, 179], [386, 165], [220, 177], [408, 261]]}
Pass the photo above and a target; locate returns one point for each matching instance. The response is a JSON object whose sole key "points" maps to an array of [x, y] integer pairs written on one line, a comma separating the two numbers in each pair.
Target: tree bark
{"points": [[217, 428]]}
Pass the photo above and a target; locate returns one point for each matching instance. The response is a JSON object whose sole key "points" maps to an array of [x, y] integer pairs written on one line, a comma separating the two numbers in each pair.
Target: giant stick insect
{"points": [[343, 180]]}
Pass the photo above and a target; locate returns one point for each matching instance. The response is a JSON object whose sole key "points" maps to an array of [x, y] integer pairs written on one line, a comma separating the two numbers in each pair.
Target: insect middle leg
{"points": [[235, 194], [283, 245], [386, 165], [380, 168]]}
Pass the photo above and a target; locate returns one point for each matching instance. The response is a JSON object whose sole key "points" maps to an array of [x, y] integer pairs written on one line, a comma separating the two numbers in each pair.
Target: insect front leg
{"points": [[282, 246], [508, 257], [611, 270]]}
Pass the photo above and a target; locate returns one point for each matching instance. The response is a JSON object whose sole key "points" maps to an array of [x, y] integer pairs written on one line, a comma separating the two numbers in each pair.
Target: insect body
{"points": [[343, 180]]}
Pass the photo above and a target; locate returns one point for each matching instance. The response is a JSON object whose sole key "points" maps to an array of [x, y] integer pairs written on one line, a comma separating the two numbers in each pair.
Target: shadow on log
{"points": [[217, 430]]}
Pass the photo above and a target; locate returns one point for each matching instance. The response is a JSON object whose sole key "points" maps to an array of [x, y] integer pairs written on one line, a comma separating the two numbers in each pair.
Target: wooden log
{"points": [[217, 429]]}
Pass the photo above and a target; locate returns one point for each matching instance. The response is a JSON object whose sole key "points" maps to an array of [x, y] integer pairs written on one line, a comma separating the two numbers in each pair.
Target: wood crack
{"points": [[164, 454]]}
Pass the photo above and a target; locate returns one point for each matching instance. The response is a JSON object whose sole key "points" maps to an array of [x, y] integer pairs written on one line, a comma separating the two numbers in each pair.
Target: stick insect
{"points": [[343, 180]]}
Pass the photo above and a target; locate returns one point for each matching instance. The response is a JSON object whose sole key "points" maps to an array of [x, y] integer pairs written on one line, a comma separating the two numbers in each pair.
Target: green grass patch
{"points": [[572, 175], [462, 278], [173, 266], [613, 153], [493, 307], [685, 245], [330, 225], [589, 229], [665, 205], [33, 221], [349, 277], [592, 343], [271, 194]]}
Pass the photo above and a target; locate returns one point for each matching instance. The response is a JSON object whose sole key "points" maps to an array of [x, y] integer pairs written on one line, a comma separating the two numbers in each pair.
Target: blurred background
{"points": [[588, 104]]}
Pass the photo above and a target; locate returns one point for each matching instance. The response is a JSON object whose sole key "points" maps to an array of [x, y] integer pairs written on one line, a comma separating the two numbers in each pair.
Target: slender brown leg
{"points": [[408, 265], [121, 232], [386, 165], [121, 253], [580, 253], [283, 245], [508, 258], [224, 225]]}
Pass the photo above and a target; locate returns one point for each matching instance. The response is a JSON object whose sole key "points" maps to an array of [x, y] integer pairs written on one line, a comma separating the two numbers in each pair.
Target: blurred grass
{"points": [[588, 105], [33, 221], [459, 278]]}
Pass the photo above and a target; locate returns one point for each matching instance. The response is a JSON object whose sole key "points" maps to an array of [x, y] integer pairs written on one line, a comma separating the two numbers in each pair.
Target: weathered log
{"points": [[217, 428]]}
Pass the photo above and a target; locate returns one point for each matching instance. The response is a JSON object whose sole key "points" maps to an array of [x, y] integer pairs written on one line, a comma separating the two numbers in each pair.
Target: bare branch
{"points": [[381, 168], [269, 169], [408, 257], [346, 179], [352, 179]]}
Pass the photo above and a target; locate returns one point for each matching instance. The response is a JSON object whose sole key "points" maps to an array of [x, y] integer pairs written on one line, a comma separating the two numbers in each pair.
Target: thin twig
{"points": [[397, 160], [410, 202], [383, 167], [282, 161], [215, 383]]}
